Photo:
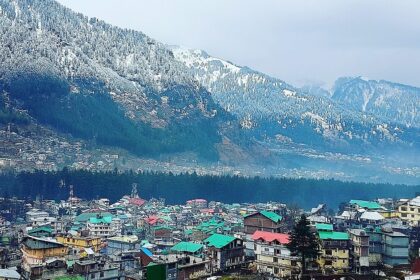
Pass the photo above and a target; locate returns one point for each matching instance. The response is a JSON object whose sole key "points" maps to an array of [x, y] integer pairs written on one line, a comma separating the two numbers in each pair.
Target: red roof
{"points": [[136, 201], [266, 236], [152, 220]]}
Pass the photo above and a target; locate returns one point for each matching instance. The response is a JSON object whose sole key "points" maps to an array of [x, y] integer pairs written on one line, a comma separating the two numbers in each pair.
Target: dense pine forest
{"points": [[177, 188]]}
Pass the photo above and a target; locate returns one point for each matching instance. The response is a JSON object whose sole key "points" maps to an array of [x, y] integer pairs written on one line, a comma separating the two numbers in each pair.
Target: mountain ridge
{"points": [[109, 88]]}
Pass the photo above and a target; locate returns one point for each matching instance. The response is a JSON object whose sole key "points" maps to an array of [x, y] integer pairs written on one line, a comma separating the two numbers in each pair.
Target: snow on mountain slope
{"points": [[50, 55], [273, 107], [394, 102], [113, 87]]}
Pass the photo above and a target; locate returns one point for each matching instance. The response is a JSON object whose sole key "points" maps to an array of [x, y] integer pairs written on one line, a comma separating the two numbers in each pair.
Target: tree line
{"points": [[177, 188]]}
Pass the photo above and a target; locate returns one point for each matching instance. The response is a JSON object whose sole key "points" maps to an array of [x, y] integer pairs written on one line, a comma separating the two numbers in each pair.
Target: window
{"points": [[403, 215], [412, 209], [328, 262], [328, 252], [92, 276], [101, 274], [275, 259], [403, 208]]}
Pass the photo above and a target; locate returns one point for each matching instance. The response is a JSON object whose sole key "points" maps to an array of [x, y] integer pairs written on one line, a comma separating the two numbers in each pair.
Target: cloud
{"points": [[295, 40]]}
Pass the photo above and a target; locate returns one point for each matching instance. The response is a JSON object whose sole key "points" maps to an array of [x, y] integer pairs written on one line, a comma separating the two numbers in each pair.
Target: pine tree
{"points": [[303, 242]]}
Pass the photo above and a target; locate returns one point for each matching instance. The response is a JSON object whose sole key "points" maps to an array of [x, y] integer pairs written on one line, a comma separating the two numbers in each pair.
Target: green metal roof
{"points": [[366, 204], [103, 220], [218, 240], [187, 247], [324, 227], [69, 277], [162, 227], [84, 217], [269, 215], [334, 235], [272, 216], [40, 229]]}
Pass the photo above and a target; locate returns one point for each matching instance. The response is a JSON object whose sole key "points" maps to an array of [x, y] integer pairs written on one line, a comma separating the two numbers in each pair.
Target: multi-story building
{"points": [[120, 244], [263, 221], [81, 242], [272, 256], [395, 247], [225, 251], [35, 214], [409, 211], [334, 251], [197, 203], [101, 226], [375, 245], [359, 240], [37, 252], [96, 270]]}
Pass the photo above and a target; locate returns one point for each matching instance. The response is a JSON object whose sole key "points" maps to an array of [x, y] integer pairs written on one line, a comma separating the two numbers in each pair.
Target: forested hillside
{"points": [[177, 188]]}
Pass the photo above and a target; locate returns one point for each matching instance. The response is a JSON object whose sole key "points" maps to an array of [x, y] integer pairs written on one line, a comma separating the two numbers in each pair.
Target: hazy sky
{"points": [[299, 41]]}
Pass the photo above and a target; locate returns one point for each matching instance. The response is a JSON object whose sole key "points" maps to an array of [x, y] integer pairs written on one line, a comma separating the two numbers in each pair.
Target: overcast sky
{"points": [[299, 41]]}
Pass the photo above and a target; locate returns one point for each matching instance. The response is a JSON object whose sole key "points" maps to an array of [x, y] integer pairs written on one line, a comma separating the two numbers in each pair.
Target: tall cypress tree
{"points": [[303, 242]]}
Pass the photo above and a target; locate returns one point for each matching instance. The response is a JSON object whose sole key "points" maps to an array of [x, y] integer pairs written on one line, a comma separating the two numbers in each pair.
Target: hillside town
{"points": [[135, 239]]}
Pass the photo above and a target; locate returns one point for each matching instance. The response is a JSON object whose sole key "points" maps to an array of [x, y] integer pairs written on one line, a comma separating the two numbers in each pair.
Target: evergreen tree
{"points": [[303, 242]]}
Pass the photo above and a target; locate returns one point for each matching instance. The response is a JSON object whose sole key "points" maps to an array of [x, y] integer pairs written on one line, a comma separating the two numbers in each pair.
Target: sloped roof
{"points": [[137, 201], [415, 201], [324, 227], [371, 215], [40, 243], [103, 220], [334, 235], [270, 237], [187, 247], [40, 229], [366, 204], [84, 217], [219, 240], [269, 215]]}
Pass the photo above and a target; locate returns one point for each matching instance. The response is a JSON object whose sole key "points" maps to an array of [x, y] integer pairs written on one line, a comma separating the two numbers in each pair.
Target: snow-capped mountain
{"points": [[87, 70], [391, 101], [282, 111], [89, 86]]}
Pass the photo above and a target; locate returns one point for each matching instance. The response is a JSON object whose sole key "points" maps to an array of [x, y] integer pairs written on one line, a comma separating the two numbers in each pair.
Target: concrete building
{"points": [[359, 240], [272, 256], [225, 252], [81, 242], [262, 221], [120, 244], [409, 211], [96, 270], [334, 251], [395, 248]]}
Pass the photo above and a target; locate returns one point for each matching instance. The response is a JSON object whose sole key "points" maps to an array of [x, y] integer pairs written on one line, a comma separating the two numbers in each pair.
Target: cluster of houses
{"points": [[138, 239]]}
